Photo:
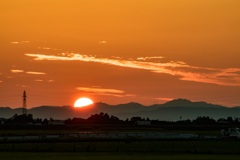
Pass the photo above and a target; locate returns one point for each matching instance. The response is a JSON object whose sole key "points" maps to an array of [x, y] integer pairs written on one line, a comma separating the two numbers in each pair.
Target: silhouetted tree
{"points": [[21, 119], [45, 121], [184, 122], [204, 120], [38, 121], [135, 119], [236, 120], [221, 120], [230, 119]]}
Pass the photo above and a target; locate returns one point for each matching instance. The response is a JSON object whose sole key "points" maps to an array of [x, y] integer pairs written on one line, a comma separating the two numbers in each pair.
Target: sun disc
{"points": [[82, 102]]}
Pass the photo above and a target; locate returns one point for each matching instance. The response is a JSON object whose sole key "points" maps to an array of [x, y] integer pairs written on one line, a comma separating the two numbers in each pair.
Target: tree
{"points": [[230, 119], [135, 119], [204, 120], [22, 119]]}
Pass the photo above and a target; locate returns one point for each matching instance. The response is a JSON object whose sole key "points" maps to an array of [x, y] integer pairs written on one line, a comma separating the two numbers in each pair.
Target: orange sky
{"points": [[147, 51]]}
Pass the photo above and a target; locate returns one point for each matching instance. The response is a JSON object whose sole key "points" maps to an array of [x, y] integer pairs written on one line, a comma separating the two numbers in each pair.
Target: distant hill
{"points": [[187, 103], [173, 110]]}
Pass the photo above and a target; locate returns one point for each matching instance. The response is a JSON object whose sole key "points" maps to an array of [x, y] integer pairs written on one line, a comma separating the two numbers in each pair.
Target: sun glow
{"points": [[82, 102]]}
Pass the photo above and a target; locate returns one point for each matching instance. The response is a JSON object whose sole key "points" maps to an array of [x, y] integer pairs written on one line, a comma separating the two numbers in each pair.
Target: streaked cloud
{"points": [[9, 77], [41, 80], [17, 71], [164, 99], [103, 42], [19, 42], [38, 80], [185, 72], [21, 85], [48, 48], [1, 81], [149, 58], [50, 80], [27, 72], [15, 42], [104, 91], [36, 73]]}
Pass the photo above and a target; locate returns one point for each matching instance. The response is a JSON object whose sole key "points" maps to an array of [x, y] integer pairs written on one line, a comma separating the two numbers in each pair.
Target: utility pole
{"points": [[24, 108]]}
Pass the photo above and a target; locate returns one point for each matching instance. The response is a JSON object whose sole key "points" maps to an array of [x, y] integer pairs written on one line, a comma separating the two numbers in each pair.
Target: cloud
{"points": [[50, 80], [48, 48], [17, 71], [21, 85], [104, 91], [31, 73], [15, 42], [19, 42], [36, 73], [9, 77], [45, 48], [149, 58], [103, 42], [1, 81], [185, 72], [38, 80], [164, 99]]}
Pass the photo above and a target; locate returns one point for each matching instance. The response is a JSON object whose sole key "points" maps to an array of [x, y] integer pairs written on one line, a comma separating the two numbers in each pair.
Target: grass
{"points": [[111, 156], [164, 147], [118, 150]]}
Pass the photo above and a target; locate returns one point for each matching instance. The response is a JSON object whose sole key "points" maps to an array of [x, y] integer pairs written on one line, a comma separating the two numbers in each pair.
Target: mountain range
{"points": [[171, 111]]}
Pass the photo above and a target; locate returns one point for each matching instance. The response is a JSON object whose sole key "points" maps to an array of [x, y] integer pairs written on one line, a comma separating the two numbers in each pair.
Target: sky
{"points": [[145, 51]]}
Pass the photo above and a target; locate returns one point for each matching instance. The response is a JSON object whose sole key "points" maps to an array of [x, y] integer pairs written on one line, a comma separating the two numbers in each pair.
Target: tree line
{"points": [[104, 118]]}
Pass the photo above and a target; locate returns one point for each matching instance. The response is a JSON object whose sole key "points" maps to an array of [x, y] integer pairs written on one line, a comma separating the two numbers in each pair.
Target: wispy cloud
{"points": [[9, 77], [19, 42], [164, 99], [48, 48], [17, 71], [104, 91], [36, 73], [38, 80], [103, 42], [185, 72], [41, 80], [50, 80], [15, 42], [27, 72], [21, 85], [149, 58]]}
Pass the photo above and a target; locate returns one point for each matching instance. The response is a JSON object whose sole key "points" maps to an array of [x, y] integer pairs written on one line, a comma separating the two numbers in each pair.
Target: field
{"points": [[111, 156], [128, 148], [163, 147]]}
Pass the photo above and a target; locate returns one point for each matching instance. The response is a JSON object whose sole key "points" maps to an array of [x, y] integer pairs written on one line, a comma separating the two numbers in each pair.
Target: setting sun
{"points": [[82, 102]]}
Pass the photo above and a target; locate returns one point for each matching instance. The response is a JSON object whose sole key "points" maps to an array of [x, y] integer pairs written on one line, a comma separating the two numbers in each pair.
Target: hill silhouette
{"points": [[187, 103], [173, 110]]}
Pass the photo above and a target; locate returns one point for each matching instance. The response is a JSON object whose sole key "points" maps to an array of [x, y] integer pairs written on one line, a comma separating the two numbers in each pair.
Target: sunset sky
{"points": [[119, 51]]}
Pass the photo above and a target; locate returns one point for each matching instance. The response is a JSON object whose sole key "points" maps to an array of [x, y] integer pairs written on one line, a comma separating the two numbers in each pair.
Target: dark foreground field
{"points": [[158, 146], [66, 147], [120, 150], [111, 156]]}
